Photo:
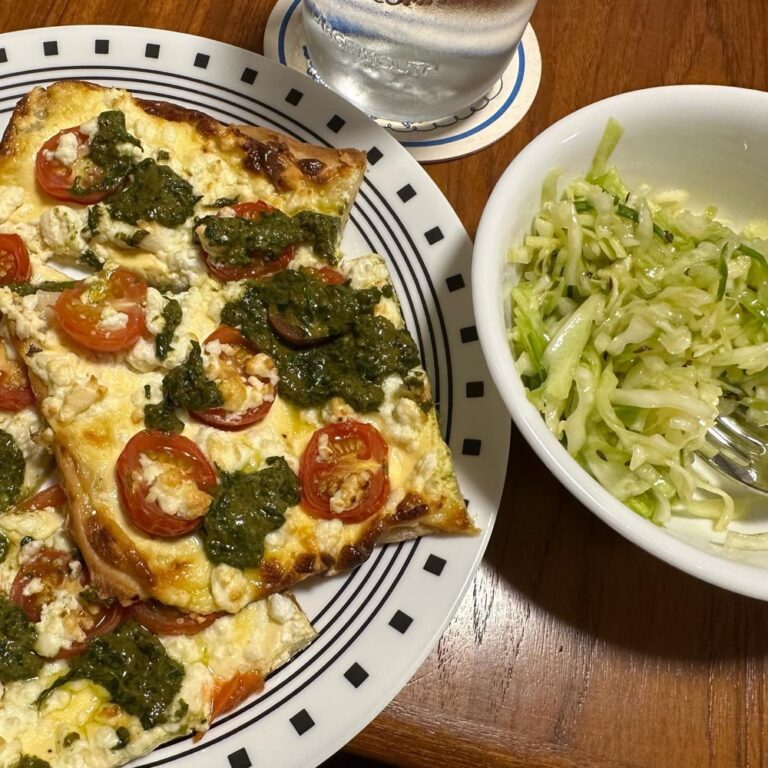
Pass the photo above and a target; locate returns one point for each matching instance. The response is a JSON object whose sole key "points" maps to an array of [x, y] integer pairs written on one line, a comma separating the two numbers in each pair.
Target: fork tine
{"points": [[746, 433], [744, 474], [723, 442]]}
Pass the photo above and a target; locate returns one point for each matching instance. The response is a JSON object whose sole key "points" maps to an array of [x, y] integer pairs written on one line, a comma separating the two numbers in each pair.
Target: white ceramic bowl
{"points": [[709, 140]]}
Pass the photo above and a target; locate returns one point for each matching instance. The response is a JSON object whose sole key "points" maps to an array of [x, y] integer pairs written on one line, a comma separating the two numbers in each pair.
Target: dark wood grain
{"points": [[573, 649]]}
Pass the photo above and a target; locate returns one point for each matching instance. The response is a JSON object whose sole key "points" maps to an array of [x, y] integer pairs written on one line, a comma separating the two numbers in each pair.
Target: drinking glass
{"points": [[413, 60]]}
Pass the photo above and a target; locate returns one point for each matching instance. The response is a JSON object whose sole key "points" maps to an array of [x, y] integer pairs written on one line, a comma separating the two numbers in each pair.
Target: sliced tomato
{"points": [[329, 275], [79, 311], [229, 693], [53, 496], [234, 367], [167, 620], [334, 454], [259, 265], [181, 452], [14, 260], [98, 619], [15, 389], [58, 179], [51, 568], [40, 577]]}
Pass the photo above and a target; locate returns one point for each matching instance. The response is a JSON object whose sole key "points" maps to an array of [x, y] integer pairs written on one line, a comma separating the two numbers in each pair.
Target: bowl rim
{"points": [[739, 577]]}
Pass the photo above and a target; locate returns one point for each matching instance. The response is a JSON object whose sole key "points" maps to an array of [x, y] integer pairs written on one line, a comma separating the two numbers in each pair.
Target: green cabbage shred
{"points": [[634, 323]]}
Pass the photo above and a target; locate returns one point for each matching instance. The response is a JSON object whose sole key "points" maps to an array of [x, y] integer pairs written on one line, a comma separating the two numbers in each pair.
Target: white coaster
{"points": [[470, 130]]}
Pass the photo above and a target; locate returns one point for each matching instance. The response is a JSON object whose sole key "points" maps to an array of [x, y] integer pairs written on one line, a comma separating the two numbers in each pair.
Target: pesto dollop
{"points": [[155, 193], [107, 151], [11, 470], [185, 386], [18, 660], [5, 547], [358, 350], [134, 668], [171, 318], [236, 238], [30, 761], [245, 508]]}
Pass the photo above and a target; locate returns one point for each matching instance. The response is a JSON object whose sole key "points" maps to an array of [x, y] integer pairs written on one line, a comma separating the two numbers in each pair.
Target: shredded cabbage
{"points": [[633, 323]]}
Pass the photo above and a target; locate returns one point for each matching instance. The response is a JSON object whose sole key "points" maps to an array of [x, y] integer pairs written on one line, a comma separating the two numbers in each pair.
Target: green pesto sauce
{"points": [[106, 152], [361, 351], [245, 508], [123, 737], [156, 193], [18, 660], [185, 386], [30, 761], [11, 470], [90, 260], [236, 239], [54, 286], [171, 319], [134, 668], [5, 547]]}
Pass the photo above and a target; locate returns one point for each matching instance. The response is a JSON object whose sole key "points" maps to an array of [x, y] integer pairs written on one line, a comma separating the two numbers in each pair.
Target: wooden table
{"points": [[573, 648]]}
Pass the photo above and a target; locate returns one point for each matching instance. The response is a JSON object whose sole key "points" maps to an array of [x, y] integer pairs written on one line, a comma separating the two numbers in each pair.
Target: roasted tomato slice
{"points": [[229, 693], [38, 578], [53, 496], [50, 571], [99, 617], [167, 620], [343, 472], [165, 483], [259, 266], [104, 315], [15, 390], [329, 275], [58, 178], [14, 260], [247, 380]]}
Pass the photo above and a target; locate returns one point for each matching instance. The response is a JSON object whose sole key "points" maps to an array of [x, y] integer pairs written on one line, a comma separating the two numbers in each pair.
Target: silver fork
{"points": [[741, 450]]}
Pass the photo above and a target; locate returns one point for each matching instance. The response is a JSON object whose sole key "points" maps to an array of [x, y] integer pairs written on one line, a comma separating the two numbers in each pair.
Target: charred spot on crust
{"points": [[270, 575], [270, 159], [312, 168], [304, 563], [352, 555], [327, 560], [205, 124], [410, 508]]}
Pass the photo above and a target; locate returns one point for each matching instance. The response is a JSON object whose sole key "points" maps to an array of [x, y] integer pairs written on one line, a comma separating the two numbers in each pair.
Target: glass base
{"points": [[409, 125]]}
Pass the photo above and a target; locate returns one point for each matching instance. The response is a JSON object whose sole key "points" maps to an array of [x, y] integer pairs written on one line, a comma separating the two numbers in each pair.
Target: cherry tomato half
{"points": [[167, 620], [80, 311], [234, 369], [40, 577], [182, 453], [49, 567], [53, 496], [57, 179], [99, 618], [14, 260], [334, 454], [260, 266], [15, 389]]}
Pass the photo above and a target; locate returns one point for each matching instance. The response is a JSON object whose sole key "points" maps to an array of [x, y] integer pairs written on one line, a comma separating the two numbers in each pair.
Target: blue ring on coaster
{"points": [[455, 136]]}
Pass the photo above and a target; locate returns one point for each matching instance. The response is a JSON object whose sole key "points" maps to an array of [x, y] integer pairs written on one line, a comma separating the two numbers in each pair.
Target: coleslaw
{"points": [[634, 323]]}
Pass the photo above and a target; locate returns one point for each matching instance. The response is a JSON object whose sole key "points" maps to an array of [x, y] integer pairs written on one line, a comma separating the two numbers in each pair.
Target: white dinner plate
{"points": [[378, 623]]}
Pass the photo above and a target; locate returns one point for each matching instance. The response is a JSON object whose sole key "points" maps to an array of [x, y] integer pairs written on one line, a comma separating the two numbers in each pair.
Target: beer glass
{"points": [[413, 61]]}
